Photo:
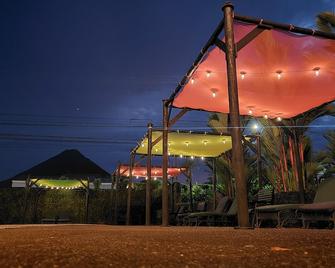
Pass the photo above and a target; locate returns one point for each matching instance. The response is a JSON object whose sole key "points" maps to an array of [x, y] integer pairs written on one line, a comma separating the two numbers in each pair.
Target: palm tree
{"points": [[325, 22]]}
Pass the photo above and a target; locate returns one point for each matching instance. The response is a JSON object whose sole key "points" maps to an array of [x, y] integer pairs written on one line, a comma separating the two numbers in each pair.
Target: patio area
{"points": [[119, 246]]}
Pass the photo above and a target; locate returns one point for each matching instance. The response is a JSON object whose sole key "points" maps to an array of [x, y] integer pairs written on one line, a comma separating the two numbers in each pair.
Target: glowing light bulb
{"points": [[192, 157], [317, 71], [192, 81], [202, 158], [187, 143], [255, 126], [142, 144], [279, 118], [156, 150], [208, 74], [266, 116], [205, 142], [213, 94], [224, 141], [155, 178], [181, 156], [250, 112], [136, 177], [279, 74], [169, 153], [243, 75]]}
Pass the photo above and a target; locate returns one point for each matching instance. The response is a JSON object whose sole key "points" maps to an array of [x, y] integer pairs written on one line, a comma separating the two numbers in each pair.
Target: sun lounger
{"points": [[282, 213], [210, 217], [182, 217]]}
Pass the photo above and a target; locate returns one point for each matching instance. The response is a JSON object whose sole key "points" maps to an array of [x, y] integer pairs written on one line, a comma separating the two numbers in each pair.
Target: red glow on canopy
{"points": [[280, 74], [141, 171]]}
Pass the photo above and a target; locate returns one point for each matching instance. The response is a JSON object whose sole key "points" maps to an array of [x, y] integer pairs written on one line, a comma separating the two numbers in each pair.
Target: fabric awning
{"points": [[59, 184], [189, 144], [280, 74], [156, 172]]}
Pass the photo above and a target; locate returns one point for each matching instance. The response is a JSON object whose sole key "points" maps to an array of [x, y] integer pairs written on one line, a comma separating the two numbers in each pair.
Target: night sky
{"points": [[99, 70]]}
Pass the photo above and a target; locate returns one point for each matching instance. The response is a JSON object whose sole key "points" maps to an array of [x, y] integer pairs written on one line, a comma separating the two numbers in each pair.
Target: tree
{"points": [[325, 22]]}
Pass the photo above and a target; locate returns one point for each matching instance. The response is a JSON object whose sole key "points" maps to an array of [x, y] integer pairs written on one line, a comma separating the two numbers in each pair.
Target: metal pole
{"points": [[259, 162], [238, 157], [148, 182], [214, 183], [165, 189], [130, 181]]}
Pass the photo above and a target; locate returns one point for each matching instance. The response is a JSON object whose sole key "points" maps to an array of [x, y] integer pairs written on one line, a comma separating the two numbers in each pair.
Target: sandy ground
{"points": [[103, 246]]}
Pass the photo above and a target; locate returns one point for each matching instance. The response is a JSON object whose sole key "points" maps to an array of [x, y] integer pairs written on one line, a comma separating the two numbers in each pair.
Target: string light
{"points": [[279, 118], [192, 81], [155, 178], [224, 141], [213, 94], [156, 150], [192, 157], [279, 74], [250, 112], [205, 142], [202, 158], [142, 144], [317, 71], [266, 116], [255, 126], [137, 177], [181, 156], [187, 143], [243, 75], [208, 74]]}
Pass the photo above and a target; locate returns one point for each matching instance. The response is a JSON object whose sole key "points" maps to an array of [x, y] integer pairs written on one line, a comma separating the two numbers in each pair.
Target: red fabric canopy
{"points": [[141, 171], [262, 90]]}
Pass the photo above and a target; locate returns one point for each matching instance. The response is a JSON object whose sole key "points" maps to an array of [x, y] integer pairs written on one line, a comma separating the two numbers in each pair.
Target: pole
{"points": [[116, 204], [238, 157], [214, 183], [259, 162], [165, 190], [191, 189], [148, 182], [130, 181], [87, 200]]}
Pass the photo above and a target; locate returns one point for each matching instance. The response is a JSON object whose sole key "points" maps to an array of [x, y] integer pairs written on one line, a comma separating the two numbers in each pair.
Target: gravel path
{"points": [[116, 246]]}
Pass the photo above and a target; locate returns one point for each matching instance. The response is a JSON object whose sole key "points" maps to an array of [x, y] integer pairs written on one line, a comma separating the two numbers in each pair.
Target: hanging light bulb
{"points": [[181, 156], [279, 118], [208, 73], [202, 158], [243, 75], [255, 126], [142, 144], [192, 157], [156, 150], [250, 112], [137, 177], [279, 74], [169, 153], [224, 141], [155, 178], [317, 71], [187, 143], [205, 142], [213, 94], [266, 116], [192, 81]]}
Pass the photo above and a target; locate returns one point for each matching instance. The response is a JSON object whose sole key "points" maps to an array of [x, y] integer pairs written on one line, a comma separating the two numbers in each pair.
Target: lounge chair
{"points": [[284, 212], [182, 216], [210, 217], [323, 208]]}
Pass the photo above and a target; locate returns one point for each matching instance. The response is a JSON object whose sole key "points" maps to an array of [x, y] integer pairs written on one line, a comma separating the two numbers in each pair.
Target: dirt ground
{"points": [[116, 246]]}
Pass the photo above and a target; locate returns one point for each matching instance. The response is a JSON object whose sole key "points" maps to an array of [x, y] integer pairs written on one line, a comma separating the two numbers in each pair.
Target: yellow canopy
{"points": [[189, 144]]}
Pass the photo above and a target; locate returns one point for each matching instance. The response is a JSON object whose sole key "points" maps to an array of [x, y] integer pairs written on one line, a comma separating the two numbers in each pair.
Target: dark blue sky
{"points": [[96, 68]]}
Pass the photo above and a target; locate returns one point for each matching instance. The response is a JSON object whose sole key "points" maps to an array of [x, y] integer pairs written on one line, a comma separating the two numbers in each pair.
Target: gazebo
{"points": [[254, 67]]}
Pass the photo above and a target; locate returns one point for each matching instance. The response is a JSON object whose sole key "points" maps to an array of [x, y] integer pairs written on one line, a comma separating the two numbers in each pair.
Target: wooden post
{"points": [[237, 149], [191, 189], [87, 200], [26, 197], [116, 204], [259, 162], [130, 182], [165, 189], [214, 183], [148, 182]]}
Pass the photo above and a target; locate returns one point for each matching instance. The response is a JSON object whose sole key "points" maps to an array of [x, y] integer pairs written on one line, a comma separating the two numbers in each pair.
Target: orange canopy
{"points": [[280, 74], [141, 171]]}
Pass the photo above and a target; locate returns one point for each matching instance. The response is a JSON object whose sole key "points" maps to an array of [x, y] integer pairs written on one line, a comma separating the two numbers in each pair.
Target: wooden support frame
{"points": [[148, 197], [130, 189]]}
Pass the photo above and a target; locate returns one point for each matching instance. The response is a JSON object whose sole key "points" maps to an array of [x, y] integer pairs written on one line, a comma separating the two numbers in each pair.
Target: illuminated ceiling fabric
{"points": [[189, 144], [262, 90], [59, 184], [155, 171]]}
